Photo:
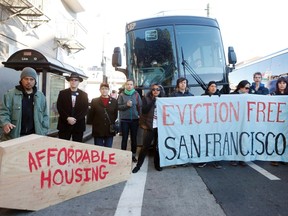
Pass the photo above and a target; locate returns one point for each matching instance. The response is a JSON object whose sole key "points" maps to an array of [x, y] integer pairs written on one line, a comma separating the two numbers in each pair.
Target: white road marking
{"points": [[263, 171], [130, 202]]}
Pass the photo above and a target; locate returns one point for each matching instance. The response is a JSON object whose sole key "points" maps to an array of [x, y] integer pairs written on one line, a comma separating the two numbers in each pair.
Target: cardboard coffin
{"points": [[40, 171]]}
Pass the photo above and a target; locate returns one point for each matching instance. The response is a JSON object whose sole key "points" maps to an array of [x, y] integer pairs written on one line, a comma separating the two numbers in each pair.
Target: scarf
{"points": [[127, 92]]}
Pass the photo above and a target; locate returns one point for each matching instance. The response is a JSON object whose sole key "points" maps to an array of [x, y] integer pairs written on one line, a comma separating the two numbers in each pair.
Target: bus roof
{"points": [[243, 64], [168, 20]]}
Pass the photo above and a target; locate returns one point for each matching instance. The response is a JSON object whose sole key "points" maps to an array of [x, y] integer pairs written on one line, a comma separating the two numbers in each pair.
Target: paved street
{"points": [[257, 189]]}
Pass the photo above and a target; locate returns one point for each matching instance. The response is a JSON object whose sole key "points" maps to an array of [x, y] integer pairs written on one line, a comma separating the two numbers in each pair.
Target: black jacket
{"points": [[99, 120], [148, 107], [64, 107], [216, 93]]}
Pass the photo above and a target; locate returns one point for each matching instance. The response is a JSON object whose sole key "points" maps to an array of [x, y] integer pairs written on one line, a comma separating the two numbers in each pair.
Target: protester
{"points": [[182, 88], [243, 87], [211, 90], [281, 89], [129, 105], [257, 87], [148, 121], [120, 90], [72, 106], [103, 113], [114, 94], [23, 110]]}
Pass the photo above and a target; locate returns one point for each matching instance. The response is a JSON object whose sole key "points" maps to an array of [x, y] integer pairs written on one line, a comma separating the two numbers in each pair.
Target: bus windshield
{"points": [[158, 55]]}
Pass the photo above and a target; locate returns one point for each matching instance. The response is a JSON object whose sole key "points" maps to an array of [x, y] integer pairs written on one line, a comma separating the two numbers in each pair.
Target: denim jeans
{"points": [[103, 141]]}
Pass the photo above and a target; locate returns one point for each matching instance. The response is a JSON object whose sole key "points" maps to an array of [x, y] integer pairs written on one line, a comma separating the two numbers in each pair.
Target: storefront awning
{"points": [[38, 61]]}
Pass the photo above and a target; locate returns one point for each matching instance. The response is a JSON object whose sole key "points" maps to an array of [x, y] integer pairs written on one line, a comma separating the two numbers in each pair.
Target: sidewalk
{"points": [[116, 141], [88, 138], [87, 133]]}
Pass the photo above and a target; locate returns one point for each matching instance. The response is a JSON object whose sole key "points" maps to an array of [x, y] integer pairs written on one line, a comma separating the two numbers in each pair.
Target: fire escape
{"points": [[70, 35], [29, 11]]}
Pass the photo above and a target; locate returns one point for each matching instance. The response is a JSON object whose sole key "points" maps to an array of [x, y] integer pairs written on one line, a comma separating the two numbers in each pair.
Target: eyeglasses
{"points": [[257, 77], [74, 80], [155, 89]]}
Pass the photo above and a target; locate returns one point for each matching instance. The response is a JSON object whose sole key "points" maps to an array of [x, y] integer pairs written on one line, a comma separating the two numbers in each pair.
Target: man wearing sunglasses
{"points": [[72, 106]]}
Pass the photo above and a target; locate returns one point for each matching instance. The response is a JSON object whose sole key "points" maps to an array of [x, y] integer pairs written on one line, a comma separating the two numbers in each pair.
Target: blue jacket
{"points": [[262, 90]]}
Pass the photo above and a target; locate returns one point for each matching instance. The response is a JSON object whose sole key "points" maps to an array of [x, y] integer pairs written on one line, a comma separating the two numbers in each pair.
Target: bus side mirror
{"points": [[232, 59], [116, 57]]}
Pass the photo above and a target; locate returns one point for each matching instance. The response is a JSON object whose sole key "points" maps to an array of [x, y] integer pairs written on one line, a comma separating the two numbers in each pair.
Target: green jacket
{"points": [[11, 112]]}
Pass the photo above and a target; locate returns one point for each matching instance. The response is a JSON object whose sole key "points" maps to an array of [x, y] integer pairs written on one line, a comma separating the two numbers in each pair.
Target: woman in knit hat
{"points": [[211, 89]]}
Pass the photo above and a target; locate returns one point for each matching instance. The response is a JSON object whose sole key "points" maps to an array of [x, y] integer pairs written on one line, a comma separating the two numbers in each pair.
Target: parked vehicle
{"points": [[162, 49], [272, 67]]}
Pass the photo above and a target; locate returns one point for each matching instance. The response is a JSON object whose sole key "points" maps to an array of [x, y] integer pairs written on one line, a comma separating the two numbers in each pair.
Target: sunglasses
{"points": [[155, 89], [247, 88], [74, 80]]}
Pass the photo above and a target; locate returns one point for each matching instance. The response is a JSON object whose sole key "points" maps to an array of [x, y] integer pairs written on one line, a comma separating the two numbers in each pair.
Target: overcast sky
{"points": [[253, 27]]}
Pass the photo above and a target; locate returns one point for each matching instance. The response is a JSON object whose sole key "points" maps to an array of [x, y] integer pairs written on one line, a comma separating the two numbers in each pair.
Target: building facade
{"points": [[46, 28]]}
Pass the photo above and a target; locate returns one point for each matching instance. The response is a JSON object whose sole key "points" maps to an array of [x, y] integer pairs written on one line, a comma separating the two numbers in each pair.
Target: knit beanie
{"points": [[28, 72], [210, 83]]}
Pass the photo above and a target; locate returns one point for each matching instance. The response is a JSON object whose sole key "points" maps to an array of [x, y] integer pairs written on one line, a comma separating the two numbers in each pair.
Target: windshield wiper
{"points": [[192, 72]]}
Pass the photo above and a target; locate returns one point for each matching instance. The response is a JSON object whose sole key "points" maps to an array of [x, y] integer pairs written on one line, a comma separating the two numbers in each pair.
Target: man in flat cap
{"points": [[24, 109], [72, 106]]}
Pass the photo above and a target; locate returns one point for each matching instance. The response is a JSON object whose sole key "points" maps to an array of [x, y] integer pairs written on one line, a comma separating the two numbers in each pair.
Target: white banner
{"points": [[230, 127]]}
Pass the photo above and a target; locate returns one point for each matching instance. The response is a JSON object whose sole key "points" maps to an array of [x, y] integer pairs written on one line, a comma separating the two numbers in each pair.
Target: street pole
{"points": [[208, 10], [103, 62], [103, 65]]}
